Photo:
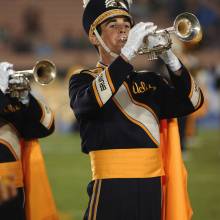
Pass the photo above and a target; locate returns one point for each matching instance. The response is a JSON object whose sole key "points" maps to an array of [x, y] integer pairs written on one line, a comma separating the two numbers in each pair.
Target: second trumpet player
{"points": [[23, 119]]}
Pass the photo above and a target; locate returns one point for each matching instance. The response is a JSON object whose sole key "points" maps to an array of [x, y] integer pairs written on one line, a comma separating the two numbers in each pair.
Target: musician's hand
{"points": [[6, 69], [167, 56], [155, 40], [8, 189], [136, 37], [22, 86]]}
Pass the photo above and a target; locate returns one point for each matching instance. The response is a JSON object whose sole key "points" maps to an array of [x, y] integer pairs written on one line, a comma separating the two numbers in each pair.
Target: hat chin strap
{"points": [[104, 45]]}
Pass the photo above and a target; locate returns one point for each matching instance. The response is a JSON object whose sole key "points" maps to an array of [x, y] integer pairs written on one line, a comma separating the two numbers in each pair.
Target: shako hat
{"points": [[97, 11]]}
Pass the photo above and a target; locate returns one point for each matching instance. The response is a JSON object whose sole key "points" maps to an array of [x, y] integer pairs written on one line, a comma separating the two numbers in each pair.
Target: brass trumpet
{"points": [[44, 72], [186, 27]]}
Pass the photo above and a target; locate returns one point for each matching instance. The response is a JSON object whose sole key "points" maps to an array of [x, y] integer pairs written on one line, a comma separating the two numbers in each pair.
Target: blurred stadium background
{"points": [[51, 29]]}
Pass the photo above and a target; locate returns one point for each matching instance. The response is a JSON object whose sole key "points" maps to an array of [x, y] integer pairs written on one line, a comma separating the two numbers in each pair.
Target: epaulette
{"points": [[93, 72]]}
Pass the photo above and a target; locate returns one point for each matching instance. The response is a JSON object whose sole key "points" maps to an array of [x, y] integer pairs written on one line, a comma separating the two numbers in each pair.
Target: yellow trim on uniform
{"points": [[92, 200], [198, 101], [106, 15], [98, 70], [141, 104], [42, 111], [52, 119], [97, 199], [97, 94], [8, 145], [109, 80], [126, 163], [13, 169], [136, 122], [93, 72], [102, 65], [192, 86], [94, 75], [43, 106]]}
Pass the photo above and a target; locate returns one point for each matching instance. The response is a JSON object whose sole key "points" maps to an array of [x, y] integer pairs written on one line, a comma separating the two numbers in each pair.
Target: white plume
{"points": [[85, 3]]}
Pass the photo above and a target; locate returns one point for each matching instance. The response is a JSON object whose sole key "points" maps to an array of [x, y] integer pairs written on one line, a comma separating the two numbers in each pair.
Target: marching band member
{"points": [[119, 112], [22, 119]]}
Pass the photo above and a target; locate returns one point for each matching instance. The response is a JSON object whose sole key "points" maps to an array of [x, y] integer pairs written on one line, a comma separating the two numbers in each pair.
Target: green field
{"points": [[69, 174]]}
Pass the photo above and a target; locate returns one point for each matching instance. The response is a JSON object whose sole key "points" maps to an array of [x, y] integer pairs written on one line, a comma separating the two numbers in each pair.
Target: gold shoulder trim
{"points": [[93, 72]]}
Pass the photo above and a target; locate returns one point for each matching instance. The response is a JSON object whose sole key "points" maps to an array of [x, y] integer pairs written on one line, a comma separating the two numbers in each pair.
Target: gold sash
{"points": [[12, 169], [126, 163]]}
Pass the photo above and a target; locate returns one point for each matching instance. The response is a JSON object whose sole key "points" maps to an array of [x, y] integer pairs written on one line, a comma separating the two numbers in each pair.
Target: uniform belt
{"points": [[12, 169], [126, 163]]}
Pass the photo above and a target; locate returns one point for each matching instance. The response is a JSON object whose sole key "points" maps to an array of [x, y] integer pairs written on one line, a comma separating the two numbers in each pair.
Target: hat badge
{"points": [[116, 3]]}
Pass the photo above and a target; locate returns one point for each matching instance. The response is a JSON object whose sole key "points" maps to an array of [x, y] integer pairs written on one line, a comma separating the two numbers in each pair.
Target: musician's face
{"points": [[114, 33]]}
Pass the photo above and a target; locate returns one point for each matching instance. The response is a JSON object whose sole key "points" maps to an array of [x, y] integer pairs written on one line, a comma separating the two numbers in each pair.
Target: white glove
{"points": [[168, 56], [5, 71], [135, 38], [171, 60], [156, 40], [23, 83]]}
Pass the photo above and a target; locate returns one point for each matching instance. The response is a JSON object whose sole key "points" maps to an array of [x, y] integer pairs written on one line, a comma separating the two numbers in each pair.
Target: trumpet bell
{"points": [[44, 72], [187, 27]]}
